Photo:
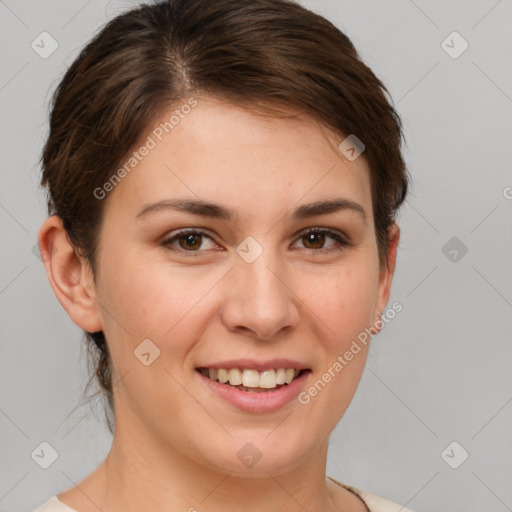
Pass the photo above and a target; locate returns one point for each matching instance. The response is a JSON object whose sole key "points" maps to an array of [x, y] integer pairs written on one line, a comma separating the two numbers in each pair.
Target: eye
{"points": [[192, 240], [315, 239], [188, 240]]}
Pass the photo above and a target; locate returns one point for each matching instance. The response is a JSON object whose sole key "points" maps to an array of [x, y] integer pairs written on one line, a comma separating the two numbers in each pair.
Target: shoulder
{"points": [[377, 504], [53, 505], [373, 502]]}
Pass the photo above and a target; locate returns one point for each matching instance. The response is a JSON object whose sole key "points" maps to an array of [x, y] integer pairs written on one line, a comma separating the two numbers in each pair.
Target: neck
{"points": [[140, 475]]}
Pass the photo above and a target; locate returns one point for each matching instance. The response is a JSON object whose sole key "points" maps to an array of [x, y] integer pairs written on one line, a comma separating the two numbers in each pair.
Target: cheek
{"points": [[342, 300], [156, 303], [152, 301], [343, 308]]}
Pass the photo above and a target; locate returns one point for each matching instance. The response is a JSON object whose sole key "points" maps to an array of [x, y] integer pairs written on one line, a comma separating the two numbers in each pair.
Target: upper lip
{"points": [[252, 364]]}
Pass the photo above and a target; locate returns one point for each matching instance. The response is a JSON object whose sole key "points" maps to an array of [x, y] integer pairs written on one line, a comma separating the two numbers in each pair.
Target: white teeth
{"points": [[268, 379], [288, 376], [223, 376], [235, 377], [249, 378]]}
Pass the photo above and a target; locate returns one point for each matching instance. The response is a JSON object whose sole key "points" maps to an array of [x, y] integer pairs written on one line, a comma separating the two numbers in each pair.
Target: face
{"points": [[216, 254]]}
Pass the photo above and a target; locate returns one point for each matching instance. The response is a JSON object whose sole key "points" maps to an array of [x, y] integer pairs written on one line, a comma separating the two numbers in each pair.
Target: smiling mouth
{"points": [[253, 381]]}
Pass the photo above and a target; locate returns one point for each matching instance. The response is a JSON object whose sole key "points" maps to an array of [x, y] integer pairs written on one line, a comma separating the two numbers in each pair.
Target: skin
{"points": [[176, 443]]}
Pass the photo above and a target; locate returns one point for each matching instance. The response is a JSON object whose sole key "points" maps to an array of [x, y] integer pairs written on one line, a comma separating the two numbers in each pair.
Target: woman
{"points": [[223, 179]]}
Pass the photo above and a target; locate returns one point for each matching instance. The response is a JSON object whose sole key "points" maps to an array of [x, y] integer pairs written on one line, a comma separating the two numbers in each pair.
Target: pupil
{"points": [[191, 241], [311, 238]]}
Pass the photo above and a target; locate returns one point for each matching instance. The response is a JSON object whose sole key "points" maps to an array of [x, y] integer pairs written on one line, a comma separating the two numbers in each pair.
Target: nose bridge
{"points": [[258, 299]]}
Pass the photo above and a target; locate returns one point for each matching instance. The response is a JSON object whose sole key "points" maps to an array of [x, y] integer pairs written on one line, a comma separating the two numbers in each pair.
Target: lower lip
{"points": [[266, 401]]}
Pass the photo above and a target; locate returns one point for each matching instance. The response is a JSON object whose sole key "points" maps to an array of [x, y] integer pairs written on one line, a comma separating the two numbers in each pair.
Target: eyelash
{"points": [[342, 242]]}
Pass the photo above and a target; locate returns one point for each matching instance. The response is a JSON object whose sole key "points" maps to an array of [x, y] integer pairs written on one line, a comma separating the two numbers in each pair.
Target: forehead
{"points": [[219, 151]]}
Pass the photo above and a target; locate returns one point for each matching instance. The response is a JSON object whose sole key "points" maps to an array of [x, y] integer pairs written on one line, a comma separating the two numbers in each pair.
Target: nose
{"points": [[260, 301]]}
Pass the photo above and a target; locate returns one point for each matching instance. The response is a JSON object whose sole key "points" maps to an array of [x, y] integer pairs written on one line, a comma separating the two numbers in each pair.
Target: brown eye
{"points": [[315, 239], [189, 242]]}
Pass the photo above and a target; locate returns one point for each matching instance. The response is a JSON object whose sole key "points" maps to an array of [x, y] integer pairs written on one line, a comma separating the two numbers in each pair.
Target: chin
{"points": [[258, 454]]}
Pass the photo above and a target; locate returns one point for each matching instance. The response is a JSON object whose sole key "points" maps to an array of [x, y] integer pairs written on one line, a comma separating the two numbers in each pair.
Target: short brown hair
{"points": [[255, 53]]}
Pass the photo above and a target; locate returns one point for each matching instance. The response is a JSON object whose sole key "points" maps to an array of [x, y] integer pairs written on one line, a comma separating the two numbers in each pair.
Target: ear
{"points": [[70, 275], [386, 274]]}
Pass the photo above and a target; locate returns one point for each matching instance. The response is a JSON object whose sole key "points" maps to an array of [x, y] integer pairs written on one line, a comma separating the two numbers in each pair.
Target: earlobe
{"points": [[69, 274]]}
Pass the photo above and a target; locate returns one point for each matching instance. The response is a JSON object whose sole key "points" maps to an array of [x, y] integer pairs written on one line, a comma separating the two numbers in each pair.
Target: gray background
{"points": [[439, 372]]}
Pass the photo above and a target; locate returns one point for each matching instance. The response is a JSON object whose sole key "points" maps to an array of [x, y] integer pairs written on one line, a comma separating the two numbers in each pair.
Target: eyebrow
{"points": [[215, 211]]}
